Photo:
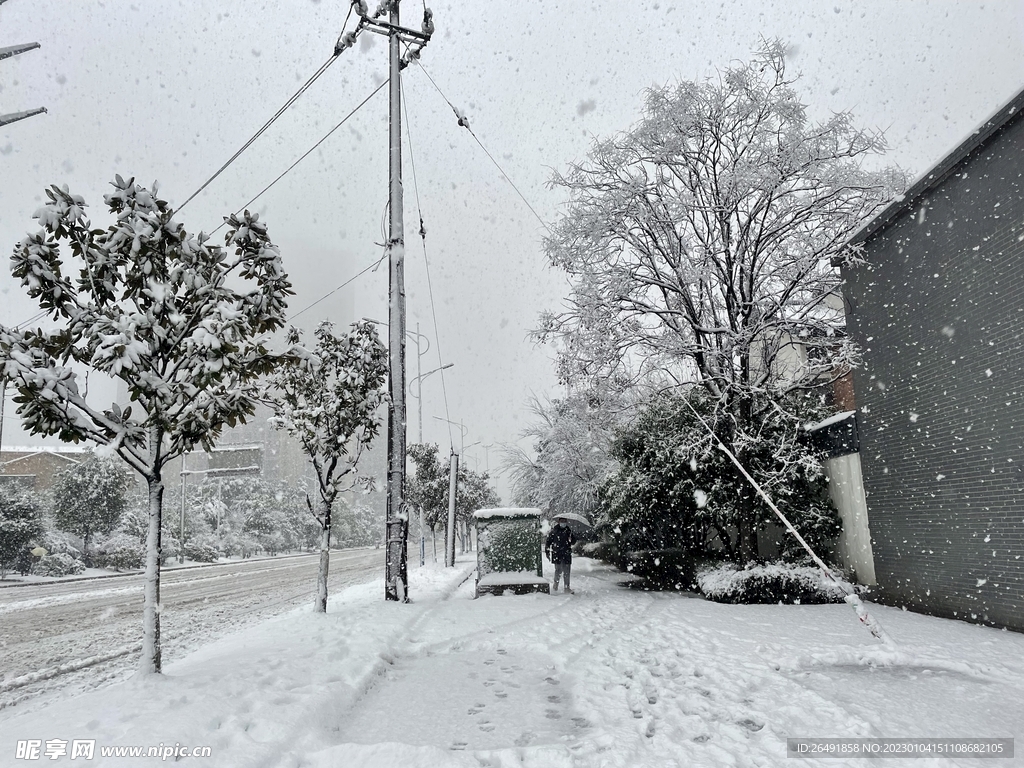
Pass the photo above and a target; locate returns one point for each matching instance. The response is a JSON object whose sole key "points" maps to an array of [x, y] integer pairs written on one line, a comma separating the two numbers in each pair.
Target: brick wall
{"points": [[939, 313]]}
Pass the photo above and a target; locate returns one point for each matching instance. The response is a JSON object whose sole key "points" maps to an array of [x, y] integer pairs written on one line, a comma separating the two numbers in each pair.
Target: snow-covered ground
{"points": [[607, 677], [16, 579], [70, 635]]}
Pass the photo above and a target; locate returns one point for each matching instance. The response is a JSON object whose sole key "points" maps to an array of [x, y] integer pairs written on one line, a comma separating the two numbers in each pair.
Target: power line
{"points": [[302, 89], [340, 46], [464, 122], [307, 153], [352, 279], [37, 316], [426, 264]]}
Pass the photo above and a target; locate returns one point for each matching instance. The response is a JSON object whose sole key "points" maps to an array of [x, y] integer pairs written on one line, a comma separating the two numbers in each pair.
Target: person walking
{"points": [[558, 548]]}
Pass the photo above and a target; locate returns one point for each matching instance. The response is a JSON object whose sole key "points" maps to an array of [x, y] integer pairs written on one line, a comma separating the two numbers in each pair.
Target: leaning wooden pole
{"points": [[852, 598]]}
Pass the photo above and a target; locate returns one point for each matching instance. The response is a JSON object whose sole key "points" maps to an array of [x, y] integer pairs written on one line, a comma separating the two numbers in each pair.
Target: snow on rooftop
{"points": [[46, 449], [486, 514]]}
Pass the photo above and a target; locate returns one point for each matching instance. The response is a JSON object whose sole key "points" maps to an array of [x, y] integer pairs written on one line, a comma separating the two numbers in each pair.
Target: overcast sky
{"points": [[168, 91]]}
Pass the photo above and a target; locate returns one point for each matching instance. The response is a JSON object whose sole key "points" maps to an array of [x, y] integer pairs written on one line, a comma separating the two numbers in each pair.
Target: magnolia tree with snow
{"points": [[699, 245], [179, 322], [329, 399]]}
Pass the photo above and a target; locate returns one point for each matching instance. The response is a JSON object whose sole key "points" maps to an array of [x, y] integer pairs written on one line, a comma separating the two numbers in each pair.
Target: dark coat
{"points": [[558, 544]]}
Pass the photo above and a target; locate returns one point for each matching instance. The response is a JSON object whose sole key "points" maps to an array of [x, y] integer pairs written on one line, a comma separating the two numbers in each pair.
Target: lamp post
{"points": [[419, 394], [476, 463], [464, 429]]}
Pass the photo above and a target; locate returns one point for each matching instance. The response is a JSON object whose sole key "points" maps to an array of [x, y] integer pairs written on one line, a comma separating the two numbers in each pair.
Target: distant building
{"points": [[936, 302], [33, 469]]}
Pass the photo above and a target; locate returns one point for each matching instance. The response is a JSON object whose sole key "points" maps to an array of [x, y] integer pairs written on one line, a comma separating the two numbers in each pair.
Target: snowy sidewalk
{"points": [[606, 677]]}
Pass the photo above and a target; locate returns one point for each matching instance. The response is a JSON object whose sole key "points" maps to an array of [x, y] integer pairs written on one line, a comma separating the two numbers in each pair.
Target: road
{"points": [[44, 627]]}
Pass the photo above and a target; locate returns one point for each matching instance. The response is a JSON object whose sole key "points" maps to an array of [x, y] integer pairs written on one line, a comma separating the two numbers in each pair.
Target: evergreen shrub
{"points": [[769, 583], [58, 564]]}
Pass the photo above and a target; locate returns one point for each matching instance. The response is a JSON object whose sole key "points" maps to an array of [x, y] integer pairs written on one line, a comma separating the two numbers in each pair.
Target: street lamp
{"points": [[461, 426], [419, 392], [475, 462]]}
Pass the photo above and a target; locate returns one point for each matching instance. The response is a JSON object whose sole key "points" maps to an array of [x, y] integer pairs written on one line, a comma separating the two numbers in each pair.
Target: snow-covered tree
{"points": [[359, 524], [571, 459], [428, 488], [700, 243], [180, 322], [20, 524], [329, 399], [90, 498]]}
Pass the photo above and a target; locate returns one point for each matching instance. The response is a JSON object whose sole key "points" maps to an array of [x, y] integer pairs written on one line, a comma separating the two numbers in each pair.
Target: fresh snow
{"points": [[511, 577], [725, 581], [610, 677], [499, 512], [833, 419]]}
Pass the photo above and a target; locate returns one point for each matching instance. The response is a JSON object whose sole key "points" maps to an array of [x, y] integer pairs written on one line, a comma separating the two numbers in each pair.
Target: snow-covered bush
{"points": [[59, 564], [770, 583], [55, 541], [603, 550], [201, 553], [121, 552]]}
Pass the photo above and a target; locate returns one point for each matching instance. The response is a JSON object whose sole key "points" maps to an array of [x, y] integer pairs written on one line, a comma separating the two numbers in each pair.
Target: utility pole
{"points": [[396, 571], [453, 481], [397, 520]]}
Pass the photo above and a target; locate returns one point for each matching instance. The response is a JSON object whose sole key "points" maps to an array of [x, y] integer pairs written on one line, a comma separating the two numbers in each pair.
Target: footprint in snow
{"points": [[750, 725], [458, 745]]}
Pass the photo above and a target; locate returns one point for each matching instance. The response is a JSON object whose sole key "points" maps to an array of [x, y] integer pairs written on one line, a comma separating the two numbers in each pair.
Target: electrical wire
{"points": [[426, 264], [307, 153], [37, 316], [352, 279], [294, 97], [464, 122], [338, 50]]}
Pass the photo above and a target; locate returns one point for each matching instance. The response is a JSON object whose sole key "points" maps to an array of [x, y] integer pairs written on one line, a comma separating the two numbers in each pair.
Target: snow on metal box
{"points": [[509, 545]]}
